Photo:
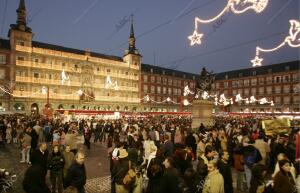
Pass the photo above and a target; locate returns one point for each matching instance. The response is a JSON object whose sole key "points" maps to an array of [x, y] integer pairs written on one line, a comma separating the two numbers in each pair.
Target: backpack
{"points": [[253, 158]]}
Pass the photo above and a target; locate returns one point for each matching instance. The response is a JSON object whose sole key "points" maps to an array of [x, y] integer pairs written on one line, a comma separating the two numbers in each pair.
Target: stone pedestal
{"points": [[202, 113]]}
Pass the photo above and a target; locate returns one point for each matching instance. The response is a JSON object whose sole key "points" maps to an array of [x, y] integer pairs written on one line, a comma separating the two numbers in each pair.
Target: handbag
{"points": [[129, 178]]}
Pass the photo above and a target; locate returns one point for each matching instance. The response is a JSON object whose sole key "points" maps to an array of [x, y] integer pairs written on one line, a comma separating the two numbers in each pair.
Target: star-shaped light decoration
{"points": [[257, 61], [195, 38]]}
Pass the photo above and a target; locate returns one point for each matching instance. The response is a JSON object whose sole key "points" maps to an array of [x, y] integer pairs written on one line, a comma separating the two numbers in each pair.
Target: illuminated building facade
{"points": [[278, 83], [34, 74]]}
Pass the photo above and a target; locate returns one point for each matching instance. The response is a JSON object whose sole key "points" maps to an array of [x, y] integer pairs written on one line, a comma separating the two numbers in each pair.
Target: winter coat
{"points": [[56, 162], [225, 170], [76, 176], [171, 181], [34, 180], [284, 183], [214, 183], [39, 158]]}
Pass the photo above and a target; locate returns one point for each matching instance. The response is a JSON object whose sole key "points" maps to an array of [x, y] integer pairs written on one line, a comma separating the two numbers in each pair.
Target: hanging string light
{"points": [[293, 40], [257, 5], [109, 83], [64, 78]]}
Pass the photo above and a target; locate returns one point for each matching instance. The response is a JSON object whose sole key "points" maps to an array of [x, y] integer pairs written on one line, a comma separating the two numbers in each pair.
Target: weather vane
{"points": [[293, 40], [236, 6]]}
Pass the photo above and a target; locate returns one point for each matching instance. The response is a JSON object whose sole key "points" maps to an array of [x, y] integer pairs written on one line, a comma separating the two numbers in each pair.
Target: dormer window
{"points": [[254, 73]]}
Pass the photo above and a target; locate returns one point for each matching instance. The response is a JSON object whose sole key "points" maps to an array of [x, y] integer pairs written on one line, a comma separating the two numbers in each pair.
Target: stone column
{"points": [[202, 113]]}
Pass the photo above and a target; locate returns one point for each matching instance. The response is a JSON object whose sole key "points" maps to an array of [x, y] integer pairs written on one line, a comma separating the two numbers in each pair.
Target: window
{"points": [[153, 79], [261, 80], [286, 88], [152, 89], [174, 91], [36, 60], [269, 71], [145, 88], [286, 78], [2, 59], [269, 79], [217, 85], [240, 83], [20, 43], [277, 89], [108, 70], [164, 90], [179, 91], [261, 90], [170, 81], [158, 79], [287, 68], [169, 91], [164, 80], [240, 74], [296, 77], [277, 79], [2, 73], [225, 84], [246, 82], [246, 91], [174, 82], [145, 78], [234, 83], [20, 58], [63, 64], [254, 73], [277, 100], [286, 100], [269, 90], [36, 75], [253, 91], [253, 81], [158, 89], [234, 92], [296, 99]]}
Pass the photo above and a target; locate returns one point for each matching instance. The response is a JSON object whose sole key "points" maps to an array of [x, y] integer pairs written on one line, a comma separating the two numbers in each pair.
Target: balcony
{"points": [[23, 48]]}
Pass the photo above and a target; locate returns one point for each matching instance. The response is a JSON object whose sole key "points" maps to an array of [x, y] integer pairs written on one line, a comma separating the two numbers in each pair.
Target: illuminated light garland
{"points": [[109, 84], [257, 5], [168, 99], [64, 78], [293, 40], [187, 91], [19, 96]]}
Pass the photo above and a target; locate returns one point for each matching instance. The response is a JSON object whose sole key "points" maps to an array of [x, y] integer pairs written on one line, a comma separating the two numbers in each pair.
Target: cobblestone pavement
{"points": [[98, 185], [97, 167]]}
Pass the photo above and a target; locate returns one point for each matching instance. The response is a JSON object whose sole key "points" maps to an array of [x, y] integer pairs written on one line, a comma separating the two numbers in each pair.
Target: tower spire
{"points": [[131, 40], [21, 11]]}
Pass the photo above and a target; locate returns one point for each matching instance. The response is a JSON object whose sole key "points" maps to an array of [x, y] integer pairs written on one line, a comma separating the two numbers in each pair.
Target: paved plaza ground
{"points": [[97, 166]]}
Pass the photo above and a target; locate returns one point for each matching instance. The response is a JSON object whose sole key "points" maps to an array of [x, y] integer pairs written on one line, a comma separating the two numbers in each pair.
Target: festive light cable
{"points": [[257, 5], [109, 83], [293, 40], [20, 96], [64, 78]]}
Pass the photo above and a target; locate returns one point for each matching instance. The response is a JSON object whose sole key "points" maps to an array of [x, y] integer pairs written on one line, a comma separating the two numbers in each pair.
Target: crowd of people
{"points": [[156, 154]]}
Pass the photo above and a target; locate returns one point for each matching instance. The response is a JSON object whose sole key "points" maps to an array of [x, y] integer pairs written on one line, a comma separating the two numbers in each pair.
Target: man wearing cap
{"points": [[120, 170]]}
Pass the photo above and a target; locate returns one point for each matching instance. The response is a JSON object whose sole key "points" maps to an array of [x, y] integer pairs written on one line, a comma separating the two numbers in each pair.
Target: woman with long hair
{"points": [[283, 180]]}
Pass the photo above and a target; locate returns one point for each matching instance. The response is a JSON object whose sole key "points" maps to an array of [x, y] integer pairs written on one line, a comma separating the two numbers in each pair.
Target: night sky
{"points": [[161, 28]]}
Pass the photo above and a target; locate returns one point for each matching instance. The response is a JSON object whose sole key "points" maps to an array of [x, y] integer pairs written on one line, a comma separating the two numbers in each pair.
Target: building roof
{"points": [[262, 70], [74, 51], [166, 71]]}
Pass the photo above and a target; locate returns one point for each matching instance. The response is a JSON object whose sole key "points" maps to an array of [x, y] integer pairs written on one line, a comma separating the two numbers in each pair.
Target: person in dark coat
{"points": [[168, 147], [257, 179], [56, 164], [40, 156], [225, 170], [283, 180], [76, 175], [34, 138], [34, 180], [171, 177], [155, 175]]}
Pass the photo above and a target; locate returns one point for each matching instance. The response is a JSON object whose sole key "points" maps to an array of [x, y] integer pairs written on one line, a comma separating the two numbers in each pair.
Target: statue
{"points": [[204, 83]]}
